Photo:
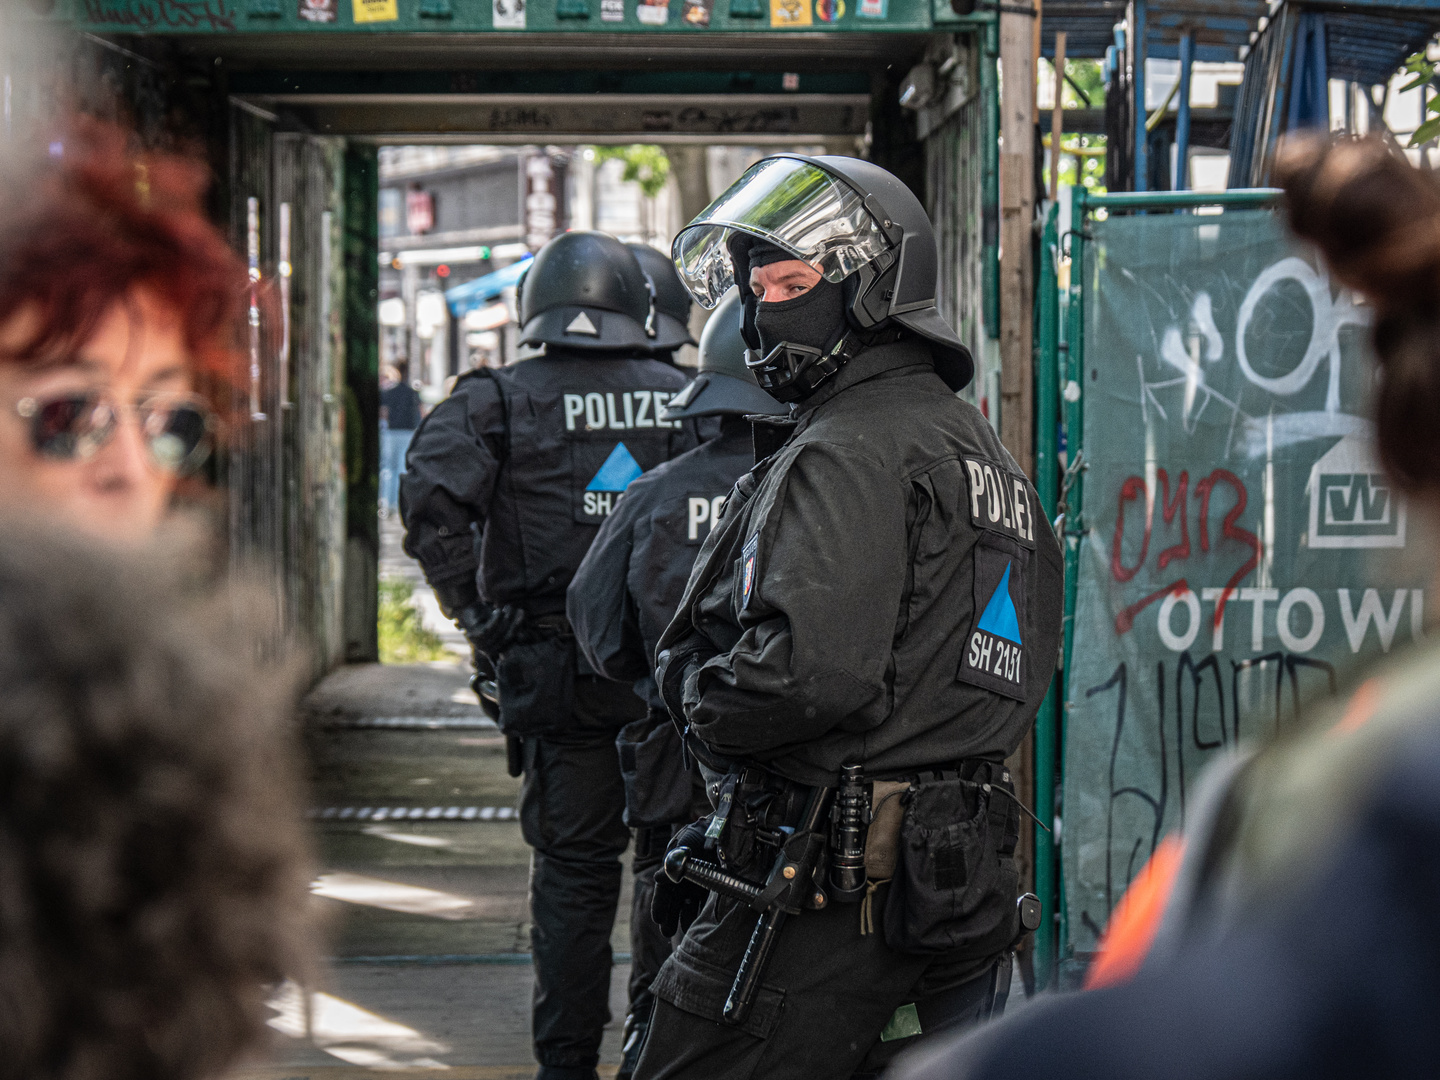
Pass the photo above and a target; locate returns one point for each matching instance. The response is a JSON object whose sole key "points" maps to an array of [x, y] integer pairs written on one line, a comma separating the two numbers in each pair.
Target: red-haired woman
{"points": [[118, 300], [153, 857]]}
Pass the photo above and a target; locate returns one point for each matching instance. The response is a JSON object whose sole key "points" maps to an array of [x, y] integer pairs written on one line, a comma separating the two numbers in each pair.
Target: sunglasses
{"points": [[176, 427]]}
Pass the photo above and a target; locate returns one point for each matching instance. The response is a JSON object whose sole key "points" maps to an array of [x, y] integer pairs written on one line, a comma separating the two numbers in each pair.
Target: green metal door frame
{"points": [[1047, 479], [361, 242], [1060, 367]]}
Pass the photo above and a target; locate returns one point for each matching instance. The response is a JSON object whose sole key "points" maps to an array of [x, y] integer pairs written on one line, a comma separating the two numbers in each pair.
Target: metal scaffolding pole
{"points": [[1137, 89], [1182, 117]]}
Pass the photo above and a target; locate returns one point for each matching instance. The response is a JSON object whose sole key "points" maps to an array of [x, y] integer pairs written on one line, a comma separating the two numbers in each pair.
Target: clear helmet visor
{"points": [[790, 203]]}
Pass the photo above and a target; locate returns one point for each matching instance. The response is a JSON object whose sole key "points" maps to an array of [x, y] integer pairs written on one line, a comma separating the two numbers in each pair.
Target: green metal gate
{"points": [[1232, 548]]}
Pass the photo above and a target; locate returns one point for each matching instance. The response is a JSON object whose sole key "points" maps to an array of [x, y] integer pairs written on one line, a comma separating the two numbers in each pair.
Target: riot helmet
{"points": [[860, 228], [585, 291], [724, 384], [672, 301]]}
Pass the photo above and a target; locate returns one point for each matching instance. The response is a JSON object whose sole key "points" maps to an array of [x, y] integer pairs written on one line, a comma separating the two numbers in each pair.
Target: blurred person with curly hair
{"points": [[1291, 931], [119, 306], [153, 856]]}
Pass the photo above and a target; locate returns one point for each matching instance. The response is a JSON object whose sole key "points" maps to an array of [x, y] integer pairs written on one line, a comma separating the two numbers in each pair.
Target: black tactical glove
{"points": [[491, 629], [483, 684], [672, 668], [674, 906], [483, 665]]}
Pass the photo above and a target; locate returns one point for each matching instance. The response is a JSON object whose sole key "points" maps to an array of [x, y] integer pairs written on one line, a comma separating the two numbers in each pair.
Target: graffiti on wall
{"points": [[1241, 549]]}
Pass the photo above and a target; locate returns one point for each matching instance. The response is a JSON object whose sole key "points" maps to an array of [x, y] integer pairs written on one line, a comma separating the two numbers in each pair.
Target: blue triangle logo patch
{"points": [[619, 470], [999, 617]]}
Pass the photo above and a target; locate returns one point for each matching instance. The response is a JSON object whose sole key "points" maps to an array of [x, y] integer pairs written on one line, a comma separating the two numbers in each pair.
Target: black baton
{"points": [[790, 887]]}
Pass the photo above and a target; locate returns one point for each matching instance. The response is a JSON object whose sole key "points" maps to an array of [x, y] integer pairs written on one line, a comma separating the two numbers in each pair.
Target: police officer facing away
{"points": [[672, 302], [624, 595], [508, 481], [881, 593]]}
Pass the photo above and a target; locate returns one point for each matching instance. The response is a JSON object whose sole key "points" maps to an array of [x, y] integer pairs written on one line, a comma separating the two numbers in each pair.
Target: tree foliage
{"points": [[1087, 76], [1424, 72], [646, 165], [404, 639]]}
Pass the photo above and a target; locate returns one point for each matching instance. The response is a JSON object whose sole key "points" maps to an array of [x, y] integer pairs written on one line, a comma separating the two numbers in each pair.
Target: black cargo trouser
{"points": [[826, 996], [649, 949], [570, 814]]}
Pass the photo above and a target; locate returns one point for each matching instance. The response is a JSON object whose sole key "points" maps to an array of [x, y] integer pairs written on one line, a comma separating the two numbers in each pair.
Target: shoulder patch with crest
{"points": [[748, 557]]}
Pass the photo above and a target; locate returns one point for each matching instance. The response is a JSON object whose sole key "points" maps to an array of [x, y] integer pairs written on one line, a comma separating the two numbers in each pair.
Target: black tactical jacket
{"points": [[509, 478], [884, 589], [627, 588]]}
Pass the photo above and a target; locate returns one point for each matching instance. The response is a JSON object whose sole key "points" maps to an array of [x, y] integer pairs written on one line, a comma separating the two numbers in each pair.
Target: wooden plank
{"points": [[1017, 212], [1057, 117]]}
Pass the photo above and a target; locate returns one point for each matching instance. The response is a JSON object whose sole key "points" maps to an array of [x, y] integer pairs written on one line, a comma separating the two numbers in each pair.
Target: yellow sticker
{"points": [[790, 12], [368, 11]]}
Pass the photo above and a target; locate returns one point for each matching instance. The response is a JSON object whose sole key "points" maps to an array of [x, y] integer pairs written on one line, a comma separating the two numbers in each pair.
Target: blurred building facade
{"points": [[455, 222]]}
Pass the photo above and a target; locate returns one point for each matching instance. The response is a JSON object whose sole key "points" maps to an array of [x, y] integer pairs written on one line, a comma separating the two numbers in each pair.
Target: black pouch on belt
{"points": [[652, 766], [536, 683], [955, 880]]}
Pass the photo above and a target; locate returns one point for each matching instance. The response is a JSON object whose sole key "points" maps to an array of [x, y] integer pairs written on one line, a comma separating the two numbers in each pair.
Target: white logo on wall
{"points": [[1352, 504], [508, 14]]}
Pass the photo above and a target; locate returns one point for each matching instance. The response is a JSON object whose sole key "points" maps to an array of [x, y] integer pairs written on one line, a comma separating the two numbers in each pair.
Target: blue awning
{"points": [[1220, 28], [483, 290]]}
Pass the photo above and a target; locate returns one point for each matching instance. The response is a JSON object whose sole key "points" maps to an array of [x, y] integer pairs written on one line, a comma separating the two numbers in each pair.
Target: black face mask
{"points": [[815, 318]]}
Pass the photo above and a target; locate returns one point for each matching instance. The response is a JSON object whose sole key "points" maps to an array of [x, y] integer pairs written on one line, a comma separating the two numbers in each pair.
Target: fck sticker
{"points": [[993, 657]]}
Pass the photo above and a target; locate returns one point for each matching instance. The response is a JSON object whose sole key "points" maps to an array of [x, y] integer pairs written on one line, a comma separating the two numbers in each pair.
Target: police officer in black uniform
{"points": [[508, 481], [626, 592], [880, 603], [672, 302]]}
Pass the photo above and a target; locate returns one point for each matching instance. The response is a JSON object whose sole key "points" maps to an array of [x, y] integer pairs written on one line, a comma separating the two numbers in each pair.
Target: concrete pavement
{"points": [[423, 888], [422, 885]]}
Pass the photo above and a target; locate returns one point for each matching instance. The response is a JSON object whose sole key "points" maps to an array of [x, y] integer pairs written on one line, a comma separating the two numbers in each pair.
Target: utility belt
{"points": [[944, 838]]}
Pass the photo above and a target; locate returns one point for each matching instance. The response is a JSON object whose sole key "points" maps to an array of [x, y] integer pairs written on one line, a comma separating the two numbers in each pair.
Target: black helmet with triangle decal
{"points": [[586, 291], [672, 299]]}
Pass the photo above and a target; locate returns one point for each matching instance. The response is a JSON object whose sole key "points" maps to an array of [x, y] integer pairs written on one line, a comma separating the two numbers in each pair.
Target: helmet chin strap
{"points": [[792, 372]]}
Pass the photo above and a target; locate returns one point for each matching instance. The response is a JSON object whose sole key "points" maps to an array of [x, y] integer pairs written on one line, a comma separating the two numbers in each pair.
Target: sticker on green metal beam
{"points": [[697, 12], [830, 11], [373, 11], [873, 9], [790, 13], [653, 12], [508, 14], [317, 11]]}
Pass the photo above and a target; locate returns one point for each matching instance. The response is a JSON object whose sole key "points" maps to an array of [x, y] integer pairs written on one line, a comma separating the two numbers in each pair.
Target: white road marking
{"points": [[391, 895]]}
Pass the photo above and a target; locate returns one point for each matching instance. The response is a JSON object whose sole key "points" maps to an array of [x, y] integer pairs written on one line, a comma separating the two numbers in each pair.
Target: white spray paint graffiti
{"points": [[1189, 348]]}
